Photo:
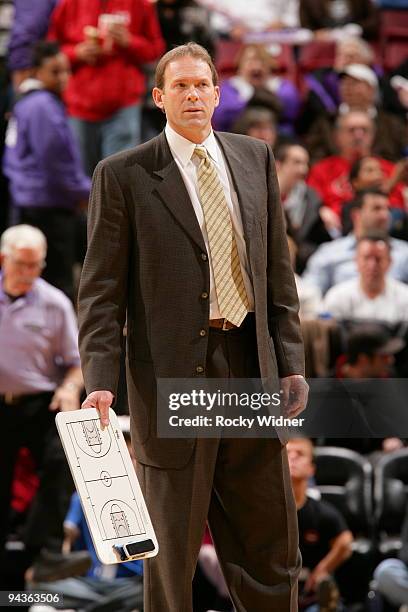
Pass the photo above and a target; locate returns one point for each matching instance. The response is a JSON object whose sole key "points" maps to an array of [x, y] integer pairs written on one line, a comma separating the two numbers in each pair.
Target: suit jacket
{"points": [[146, 259]]}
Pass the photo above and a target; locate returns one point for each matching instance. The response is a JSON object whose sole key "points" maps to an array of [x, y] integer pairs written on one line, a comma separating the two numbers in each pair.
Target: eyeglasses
{"points": [[31, 265]]}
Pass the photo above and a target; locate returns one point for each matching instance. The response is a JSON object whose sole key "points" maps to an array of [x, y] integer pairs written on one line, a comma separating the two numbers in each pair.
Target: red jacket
{"points": [[96, 92], [330, 178]]}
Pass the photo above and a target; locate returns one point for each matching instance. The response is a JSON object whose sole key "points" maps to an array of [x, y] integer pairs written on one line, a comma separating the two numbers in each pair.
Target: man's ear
{"points": [[217, 96], [157, 95]]}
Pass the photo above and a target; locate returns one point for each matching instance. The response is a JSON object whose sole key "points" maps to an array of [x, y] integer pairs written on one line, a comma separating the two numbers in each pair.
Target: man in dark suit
{"points": [[189, 242]]}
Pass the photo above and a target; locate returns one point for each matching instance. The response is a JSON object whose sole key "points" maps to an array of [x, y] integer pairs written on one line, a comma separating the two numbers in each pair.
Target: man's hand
{"points": [[101, 400], [294, 395], [65, 398], [330, 219], [316, 576], [88, 51]]}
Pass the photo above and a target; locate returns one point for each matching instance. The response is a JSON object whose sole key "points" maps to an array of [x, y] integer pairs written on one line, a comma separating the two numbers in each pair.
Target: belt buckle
{"points": [[224, 325]]}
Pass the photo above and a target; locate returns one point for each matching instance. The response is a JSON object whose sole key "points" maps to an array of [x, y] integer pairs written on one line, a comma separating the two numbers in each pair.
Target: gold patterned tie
{"points": [[232, 297]]}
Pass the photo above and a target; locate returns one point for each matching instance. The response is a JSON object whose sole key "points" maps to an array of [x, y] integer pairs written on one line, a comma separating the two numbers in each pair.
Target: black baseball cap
{"points": [[372, 339]]}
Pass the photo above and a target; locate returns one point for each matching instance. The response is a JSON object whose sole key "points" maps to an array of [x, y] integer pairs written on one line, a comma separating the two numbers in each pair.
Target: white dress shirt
{"points": [[348, 301], [255, 16], [182, 151]]}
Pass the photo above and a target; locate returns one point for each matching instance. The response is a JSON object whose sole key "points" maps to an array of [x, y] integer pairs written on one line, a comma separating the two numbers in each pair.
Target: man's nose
{"points": [[192, 93]]}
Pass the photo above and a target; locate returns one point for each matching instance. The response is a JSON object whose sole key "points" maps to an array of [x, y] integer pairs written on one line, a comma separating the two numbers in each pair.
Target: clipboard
{"points": [[107, 485]]}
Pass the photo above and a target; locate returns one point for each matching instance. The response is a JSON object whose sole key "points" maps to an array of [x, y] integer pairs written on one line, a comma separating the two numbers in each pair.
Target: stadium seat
{"points": [[390, 498], [316, 54], [226, 55], [393, 37], [343, 478]]}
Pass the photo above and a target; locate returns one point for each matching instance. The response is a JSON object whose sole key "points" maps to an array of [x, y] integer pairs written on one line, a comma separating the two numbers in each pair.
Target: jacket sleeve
{"points": [[30, 25], [103, 288], [148, 44], [56, 31], [283, 303], [56, 150]]}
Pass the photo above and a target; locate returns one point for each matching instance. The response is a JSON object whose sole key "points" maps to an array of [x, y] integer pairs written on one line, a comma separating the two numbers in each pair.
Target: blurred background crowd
{"points": [[325, 84]]}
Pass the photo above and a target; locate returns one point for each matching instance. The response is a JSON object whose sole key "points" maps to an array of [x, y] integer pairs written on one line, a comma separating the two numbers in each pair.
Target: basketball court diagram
{"points": [[108, 487]]}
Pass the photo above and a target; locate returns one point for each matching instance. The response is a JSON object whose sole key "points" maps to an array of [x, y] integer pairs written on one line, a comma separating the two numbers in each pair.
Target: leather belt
{"points": [[222, 324]]}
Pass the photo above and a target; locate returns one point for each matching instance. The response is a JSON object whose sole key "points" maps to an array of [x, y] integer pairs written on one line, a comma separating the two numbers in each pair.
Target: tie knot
{"points": [[201, 152]]}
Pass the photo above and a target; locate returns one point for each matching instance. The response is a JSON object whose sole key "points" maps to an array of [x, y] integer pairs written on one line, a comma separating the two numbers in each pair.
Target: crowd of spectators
{"points": [[74, 88]]}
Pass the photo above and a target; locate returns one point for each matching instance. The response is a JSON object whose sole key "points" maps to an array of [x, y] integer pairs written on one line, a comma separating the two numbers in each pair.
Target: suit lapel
{"points": [[243, 182], [174, 194]]}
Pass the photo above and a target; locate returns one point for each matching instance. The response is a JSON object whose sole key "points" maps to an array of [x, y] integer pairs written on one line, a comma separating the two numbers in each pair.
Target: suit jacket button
{"points": [[204, 256], [204, 295], [199, 369], [203, 332]]}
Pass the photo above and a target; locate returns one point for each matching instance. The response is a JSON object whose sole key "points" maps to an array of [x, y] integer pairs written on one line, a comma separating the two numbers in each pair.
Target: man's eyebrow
{"points": [[186, 78]]}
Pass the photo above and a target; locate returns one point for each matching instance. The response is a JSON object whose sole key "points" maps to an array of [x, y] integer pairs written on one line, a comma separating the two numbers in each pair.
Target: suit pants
{"points": [[242, 487]]}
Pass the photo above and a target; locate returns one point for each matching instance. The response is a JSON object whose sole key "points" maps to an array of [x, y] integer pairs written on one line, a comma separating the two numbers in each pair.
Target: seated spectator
{"points": [[391, 575], [323, 15], [31, 20], [255, 85], [259, 123], [106, 51], [324, 539], [367, 173], [309, 222], [42, 163], [395, 90], [369, 360], [359, 91], [236, 18], [182, 21], [373, 294], [354, 137], [334, 262], [322, 95]]}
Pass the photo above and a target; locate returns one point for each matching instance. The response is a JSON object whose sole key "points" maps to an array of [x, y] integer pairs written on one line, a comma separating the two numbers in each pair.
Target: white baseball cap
{"points": [[361, 72]]}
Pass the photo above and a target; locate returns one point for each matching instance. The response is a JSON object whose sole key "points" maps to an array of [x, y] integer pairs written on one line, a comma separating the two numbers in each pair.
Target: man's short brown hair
{"points": [[190, 49]]}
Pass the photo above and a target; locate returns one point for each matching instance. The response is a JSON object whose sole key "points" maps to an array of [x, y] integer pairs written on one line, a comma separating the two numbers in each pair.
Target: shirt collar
{"points": [[28, 297], [183, 149]]}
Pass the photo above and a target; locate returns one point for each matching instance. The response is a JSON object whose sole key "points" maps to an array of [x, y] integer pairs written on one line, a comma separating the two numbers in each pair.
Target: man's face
{"points": [[356, 93], [370, 175], [373, 261], [348, 53], [375, 366], [253, 68], [54, 73], [188, 97], [355, 135], [264, 131], [374, 213], [20, 269], [300, 456], [296, 163]]}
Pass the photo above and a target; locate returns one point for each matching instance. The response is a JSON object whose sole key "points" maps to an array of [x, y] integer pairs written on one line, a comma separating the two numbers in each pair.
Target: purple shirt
{"points": [[41, 157], [30, 25], [232, 103], [38, 339]]}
